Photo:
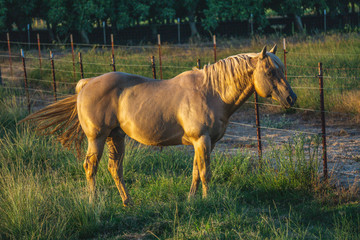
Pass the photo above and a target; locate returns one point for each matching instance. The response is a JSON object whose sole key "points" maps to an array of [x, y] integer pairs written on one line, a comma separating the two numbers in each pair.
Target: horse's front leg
{"points": [[202, 147], [195, 180], [91, 163]]}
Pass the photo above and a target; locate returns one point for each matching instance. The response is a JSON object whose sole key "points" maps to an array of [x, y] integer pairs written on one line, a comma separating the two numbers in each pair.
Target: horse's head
{"points": [[269, 79]]}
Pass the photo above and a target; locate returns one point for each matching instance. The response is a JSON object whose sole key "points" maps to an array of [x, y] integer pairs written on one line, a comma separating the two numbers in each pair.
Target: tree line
{"points": [[65, 16]]}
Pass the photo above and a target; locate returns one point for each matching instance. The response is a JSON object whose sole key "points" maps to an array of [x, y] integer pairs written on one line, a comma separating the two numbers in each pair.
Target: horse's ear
{"points": [[273, 50], [263, 53]]}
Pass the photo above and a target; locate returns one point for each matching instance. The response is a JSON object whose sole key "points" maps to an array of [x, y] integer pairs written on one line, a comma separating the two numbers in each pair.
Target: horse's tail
{"points": [[61, 119]]}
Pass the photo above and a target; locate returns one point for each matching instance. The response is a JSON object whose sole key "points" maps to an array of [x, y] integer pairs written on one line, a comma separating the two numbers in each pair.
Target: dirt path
{"points": [[343, 140]]}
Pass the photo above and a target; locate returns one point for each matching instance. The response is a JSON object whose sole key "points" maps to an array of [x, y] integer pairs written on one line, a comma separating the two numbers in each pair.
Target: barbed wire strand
{"points": [[275, 129]]}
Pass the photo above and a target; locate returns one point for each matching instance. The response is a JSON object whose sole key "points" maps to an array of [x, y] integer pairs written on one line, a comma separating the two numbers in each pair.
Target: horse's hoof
{"points": [[191, 196], [128, 203]]}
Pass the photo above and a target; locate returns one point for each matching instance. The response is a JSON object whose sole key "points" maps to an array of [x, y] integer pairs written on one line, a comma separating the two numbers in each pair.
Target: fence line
{"points": [[34, 90], [324, 54], [271, 128], [296, 108], [206, 45], [50, 81], [268, 140], [325, 68], [153, 48]]}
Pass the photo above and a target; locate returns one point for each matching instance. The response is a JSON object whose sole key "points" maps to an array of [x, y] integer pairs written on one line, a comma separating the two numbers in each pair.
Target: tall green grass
{"points": [[43, 194]]}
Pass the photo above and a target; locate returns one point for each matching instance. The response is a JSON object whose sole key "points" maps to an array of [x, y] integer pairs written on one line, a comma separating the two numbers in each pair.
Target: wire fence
{"points": [[43, 80]]}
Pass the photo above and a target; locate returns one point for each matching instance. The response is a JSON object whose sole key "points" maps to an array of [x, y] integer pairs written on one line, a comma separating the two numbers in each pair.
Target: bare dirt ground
{"points": [[343, 139]]}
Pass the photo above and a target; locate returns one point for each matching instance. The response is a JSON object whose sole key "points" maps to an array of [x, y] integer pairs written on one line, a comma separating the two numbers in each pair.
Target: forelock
{"points": [[276, 61]]}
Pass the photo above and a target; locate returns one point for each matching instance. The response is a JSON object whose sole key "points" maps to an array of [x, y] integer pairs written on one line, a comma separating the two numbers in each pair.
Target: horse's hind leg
{"points": [[202, 147], [91, 163], [116, 146]]}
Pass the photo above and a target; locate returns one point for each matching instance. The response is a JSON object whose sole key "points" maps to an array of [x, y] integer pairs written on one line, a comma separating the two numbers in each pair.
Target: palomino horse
{"points": [[192, 108]]}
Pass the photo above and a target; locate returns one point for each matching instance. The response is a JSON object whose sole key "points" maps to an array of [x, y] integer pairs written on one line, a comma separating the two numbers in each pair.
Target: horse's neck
{"points": [[244, 94]]}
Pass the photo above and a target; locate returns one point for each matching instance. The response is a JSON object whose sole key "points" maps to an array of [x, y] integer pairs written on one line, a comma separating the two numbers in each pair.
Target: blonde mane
{"points": [[229, 76]]}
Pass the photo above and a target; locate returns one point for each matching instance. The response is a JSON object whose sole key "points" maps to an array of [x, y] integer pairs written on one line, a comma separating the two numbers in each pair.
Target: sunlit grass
{"points": [[43, 194]]}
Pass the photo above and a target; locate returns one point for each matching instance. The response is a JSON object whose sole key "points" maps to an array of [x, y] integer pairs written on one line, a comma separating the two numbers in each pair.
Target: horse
{"points": [[192, 108]]}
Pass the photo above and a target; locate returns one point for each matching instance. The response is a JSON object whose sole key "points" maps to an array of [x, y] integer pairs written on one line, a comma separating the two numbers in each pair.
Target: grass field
{"points": [[43, 188]]}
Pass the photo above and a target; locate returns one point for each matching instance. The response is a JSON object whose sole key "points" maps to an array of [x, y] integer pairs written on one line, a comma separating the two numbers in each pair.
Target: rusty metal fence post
{"points": [[323, 125], [112, 44], [153, 66], [25, 80], [285, 52], [73, 55], [81, 66], [39, 48], [257, 119], [53, 74], [160, 63], [214, 40], [112, 53], [9, 48], [1, 83], [113, 62]]}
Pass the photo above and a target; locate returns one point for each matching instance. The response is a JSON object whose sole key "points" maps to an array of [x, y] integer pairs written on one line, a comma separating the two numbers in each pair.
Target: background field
{"points": [[42, 186]]}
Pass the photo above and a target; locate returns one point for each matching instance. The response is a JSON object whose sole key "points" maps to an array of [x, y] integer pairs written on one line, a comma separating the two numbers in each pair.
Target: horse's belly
{"points": [[155, 135]]}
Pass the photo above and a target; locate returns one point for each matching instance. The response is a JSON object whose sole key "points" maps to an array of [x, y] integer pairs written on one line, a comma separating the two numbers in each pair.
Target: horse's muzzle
{"points": [[291, 99]]}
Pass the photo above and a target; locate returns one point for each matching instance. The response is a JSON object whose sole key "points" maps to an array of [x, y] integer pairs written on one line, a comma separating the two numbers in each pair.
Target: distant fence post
{"points": [[323, 125], [257, 118], [113, 62], [53, 74], [214, 40], [112, 44], [28, 31], [198, 64], [160, 63], [325, 20], [104, 30], [81, 66], [252, 24], [25, 80], [285, 52], [153, 66], [9, 48], [1, 83], [73, 54], [39, 47], [178, 30], [112, 53]]}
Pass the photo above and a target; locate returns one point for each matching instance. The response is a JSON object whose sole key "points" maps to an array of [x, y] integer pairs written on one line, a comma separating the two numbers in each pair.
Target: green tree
{"points": [[191, 10], [66, 16], [3, 15], [19, 12], [223, 10]]}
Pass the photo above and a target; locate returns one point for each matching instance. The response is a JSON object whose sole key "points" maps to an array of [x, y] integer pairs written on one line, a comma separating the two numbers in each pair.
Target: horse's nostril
{"points": [[289, 100]]}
